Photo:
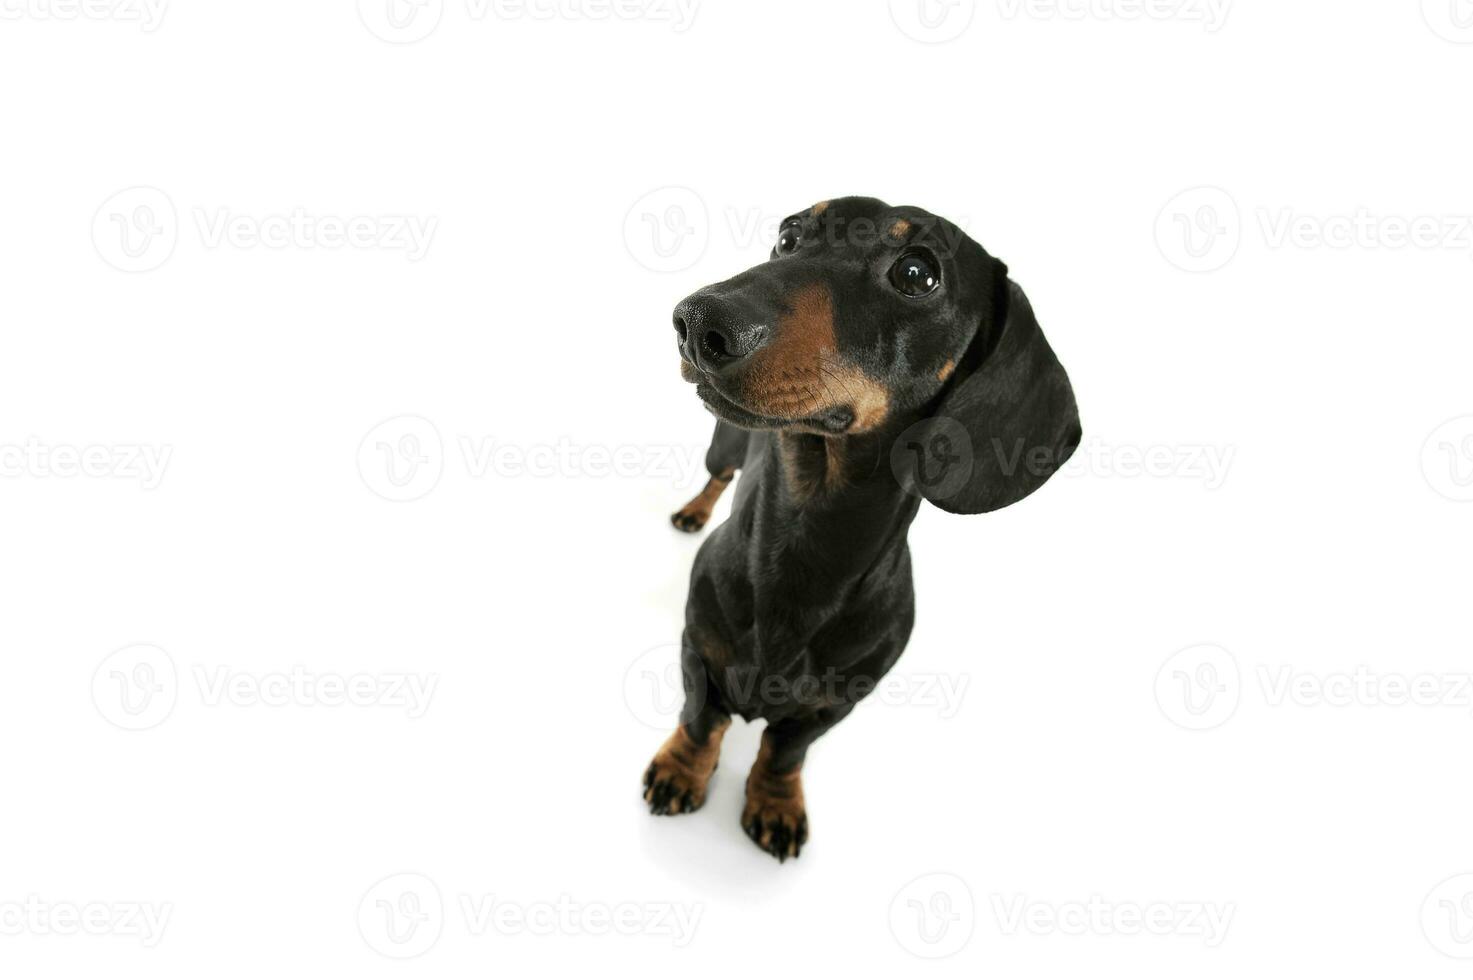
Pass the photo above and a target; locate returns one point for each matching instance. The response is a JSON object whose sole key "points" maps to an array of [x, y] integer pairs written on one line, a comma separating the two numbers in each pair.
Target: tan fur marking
{"points": [[900, 229], [820, 208], [694, 515], [812, 464], [946, 369], [802, 374], [775, 804], [683, 768]]}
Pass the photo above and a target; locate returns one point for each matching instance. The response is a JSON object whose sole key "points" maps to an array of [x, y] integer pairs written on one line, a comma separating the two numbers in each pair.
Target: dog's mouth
{"points": [[831, 421]]}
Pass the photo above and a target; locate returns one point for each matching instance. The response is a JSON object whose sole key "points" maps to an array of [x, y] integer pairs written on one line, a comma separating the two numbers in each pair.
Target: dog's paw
{"points": [[676, 779], [774, 816], [690, 518]]}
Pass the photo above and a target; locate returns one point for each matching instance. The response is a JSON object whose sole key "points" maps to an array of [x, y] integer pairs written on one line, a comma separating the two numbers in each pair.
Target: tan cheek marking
{"points": [[802, 374], [946, 370]]}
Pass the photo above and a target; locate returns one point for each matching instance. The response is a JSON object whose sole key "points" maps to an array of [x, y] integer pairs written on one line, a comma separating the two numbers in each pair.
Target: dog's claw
{"points": [[780, 835], [688, 521], [675, 783]]}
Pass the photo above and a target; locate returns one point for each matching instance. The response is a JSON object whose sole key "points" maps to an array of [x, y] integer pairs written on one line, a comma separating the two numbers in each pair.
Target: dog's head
{"points": [[872, 319]]}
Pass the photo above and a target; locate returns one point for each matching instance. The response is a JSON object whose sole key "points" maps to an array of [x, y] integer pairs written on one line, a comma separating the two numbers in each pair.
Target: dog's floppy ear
{"points": [[1006, 421]]}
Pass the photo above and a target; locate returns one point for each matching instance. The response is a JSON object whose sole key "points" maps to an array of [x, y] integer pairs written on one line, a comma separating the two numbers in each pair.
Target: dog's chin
{"points": [[830, 422]]}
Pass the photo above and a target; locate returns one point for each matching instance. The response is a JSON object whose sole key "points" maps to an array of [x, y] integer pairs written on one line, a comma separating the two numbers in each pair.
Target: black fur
{"points": [[802, 601]]}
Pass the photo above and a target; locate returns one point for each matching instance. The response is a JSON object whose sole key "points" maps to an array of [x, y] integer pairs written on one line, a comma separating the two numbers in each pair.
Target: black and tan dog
{"points": [[878, 357]]}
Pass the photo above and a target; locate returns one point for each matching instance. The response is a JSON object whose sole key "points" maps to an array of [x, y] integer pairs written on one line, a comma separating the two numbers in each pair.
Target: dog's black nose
{"points": [[714, 336]]}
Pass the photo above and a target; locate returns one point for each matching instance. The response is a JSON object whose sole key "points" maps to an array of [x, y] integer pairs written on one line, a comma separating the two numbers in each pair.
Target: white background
{"points": [[529, 584]]}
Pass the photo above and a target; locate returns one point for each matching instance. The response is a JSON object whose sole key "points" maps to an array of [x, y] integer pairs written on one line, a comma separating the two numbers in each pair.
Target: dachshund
{"points": [[879, 357]]}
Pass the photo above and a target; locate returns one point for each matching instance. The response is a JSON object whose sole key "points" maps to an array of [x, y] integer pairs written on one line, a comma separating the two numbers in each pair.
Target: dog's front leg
{"points": [[676, 779], [775, 816]]}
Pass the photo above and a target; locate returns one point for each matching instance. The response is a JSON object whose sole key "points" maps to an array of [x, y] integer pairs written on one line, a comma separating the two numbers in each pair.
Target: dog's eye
{"points": [[789, 236], [914, 275]]}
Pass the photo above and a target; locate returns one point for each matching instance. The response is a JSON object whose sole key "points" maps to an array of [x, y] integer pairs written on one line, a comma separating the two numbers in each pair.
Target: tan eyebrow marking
{"points": [[900, 229], [820, 208]]}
